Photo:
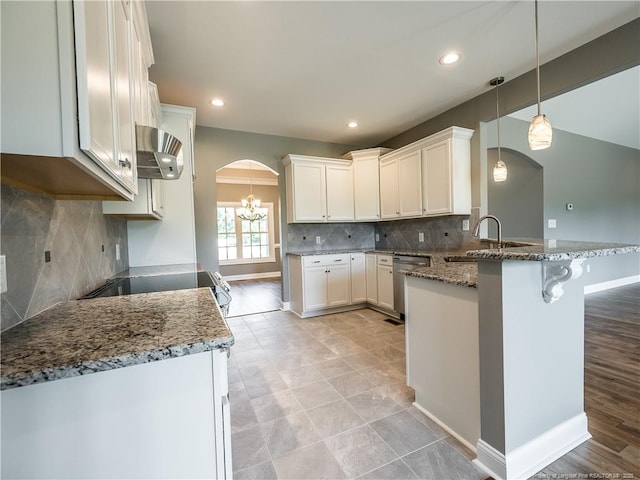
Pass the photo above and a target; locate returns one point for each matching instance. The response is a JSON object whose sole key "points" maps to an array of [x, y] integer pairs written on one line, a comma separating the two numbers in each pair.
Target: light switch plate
{"points": [[377, 237], [3, 273], [117, 251], [421, 236], [465, 225], [318, 240], [552, 223]]}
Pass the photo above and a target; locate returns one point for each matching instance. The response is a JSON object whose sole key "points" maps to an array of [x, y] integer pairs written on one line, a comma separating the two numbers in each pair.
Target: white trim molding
{"points": [[536, 454], [618, 282], [444, 426]]}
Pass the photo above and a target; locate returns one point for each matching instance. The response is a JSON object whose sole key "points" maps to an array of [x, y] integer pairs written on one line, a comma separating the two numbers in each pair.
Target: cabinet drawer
{"points": [[325, 260], [385, 259]]}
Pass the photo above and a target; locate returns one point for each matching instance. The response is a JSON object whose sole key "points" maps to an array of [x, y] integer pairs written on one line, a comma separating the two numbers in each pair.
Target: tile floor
{"points": [[326, 397]]}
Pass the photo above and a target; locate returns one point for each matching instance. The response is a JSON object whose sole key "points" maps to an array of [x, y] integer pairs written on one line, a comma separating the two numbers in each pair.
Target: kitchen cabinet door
{"points": [[371, 269], [385, 286], [315, 288], [389, 206], [366, 188], [95, 90], [358, 278], [338, 285], [437, 178], [409, 185], [339, 188], [309, 192], [124, 126]]}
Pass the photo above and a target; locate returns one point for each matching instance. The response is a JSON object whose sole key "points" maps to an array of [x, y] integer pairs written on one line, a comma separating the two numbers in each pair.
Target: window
{"points": [[242, 241]]}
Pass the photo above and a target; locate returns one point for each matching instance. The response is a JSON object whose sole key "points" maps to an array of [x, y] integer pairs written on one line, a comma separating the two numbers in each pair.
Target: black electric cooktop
{"points": [[156, 283]]}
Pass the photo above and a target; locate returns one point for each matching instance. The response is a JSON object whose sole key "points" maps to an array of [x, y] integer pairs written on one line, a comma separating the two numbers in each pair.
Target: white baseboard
{"points": [[445, 427], [619, 282], [252, 276], [536, 454]]}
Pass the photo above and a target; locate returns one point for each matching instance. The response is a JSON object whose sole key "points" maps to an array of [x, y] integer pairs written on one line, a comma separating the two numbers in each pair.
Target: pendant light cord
{"points": [[537, 56], [498, 117]]}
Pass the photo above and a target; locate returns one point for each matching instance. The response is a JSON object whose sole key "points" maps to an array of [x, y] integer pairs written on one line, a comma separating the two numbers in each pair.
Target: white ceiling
{"points": [[607, 110], [304, 69]]}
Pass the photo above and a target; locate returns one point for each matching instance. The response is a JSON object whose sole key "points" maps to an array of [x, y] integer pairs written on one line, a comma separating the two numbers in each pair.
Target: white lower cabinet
{"points": [[371, 267], [358, 278], [385, 281], [323, 283], [164, 419]]}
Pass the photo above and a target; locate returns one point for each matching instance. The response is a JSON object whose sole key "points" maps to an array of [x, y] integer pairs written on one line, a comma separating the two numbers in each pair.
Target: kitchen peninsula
{"points": [[118, 387], [509, 354]]}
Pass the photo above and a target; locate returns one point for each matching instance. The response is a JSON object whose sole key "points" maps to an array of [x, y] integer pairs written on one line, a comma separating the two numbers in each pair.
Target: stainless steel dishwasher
{"points": [[402, 262]]}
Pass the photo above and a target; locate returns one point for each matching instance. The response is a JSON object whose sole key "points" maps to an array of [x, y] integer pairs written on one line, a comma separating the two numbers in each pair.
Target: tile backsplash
{"points": [[74, 232], [440, 233], [333, 236]]}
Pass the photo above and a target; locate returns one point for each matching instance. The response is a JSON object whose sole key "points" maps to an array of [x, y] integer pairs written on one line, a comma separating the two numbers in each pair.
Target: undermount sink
{"points": [[488, 244]]}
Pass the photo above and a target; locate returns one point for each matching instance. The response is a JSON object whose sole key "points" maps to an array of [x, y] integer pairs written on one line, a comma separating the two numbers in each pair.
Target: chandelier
{"points": [[250, 209]]}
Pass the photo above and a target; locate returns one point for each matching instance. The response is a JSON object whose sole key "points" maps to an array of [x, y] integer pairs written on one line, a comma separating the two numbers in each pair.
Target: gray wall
{"points": [[518, 202], [215, 148], [229, 192], [74, 232]]}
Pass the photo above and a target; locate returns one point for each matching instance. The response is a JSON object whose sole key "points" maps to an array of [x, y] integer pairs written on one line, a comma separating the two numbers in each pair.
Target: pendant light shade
{"points": [[540, 132], [500, 168], [499, 171]]}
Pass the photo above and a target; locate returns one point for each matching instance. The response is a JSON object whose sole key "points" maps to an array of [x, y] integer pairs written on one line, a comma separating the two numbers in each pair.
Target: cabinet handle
{"points": [[338, 260], [125, 163], [316, 261]]}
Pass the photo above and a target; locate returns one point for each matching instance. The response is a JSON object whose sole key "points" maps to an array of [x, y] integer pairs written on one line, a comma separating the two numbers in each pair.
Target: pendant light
{"points": [[540, 132], [500, 168], [251, 203]]}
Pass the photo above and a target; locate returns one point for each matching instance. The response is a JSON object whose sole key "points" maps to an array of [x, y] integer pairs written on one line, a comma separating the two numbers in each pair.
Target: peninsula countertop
{"points": [[555, 250], [81, 337]]}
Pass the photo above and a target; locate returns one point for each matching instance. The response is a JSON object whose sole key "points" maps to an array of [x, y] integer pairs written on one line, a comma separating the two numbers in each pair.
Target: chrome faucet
{"points": [[476, 229]]}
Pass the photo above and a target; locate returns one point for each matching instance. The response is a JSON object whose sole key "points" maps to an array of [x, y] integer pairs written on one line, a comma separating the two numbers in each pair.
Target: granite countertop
{"points": [[456, 273], [81, 337], [412, 253], [555, 250]]}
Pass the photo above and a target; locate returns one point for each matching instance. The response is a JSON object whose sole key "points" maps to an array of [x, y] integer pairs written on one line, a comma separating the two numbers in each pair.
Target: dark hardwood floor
{"points": [[255, 296], [612, 389]]}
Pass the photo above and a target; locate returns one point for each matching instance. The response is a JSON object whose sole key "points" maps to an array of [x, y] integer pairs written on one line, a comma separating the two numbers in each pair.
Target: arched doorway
{"points": [[249, 249]]}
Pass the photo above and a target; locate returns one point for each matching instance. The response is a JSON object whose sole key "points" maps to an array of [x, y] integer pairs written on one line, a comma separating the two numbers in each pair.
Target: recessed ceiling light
{"points": [[449, 58], [352, 124], [217, 102]]}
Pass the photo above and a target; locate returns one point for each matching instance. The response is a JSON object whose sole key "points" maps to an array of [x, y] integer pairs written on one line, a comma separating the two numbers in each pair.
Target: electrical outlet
{"points": [[465, 225], [421, 236], [117, 251], [318, 240], [588, 268], [551, 223], [47, 256], [3, 273], [377, 237]]}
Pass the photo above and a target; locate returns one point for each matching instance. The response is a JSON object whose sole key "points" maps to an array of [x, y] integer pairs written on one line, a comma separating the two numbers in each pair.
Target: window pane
{"points": [[231, 240], [246, 252], [246, 239], [264, 239], [222, 254], [255, 251], [232, 253], [222, 241], [265, 251]]}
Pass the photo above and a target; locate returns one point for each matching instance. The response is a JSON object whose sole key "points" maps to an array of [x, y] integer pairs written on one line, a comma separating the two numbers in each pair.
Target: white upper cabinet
{"points": [[400, 184], [69, 97], [429, 177], [318, 189], [446, 173], [339, 193], [366, 182], [147, 205]]}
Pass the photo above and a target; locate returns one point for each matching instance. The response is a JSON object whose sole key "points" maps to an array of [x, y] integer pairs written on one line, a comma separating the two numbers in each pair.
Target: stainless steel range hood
{"points": [[158, 154]]}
